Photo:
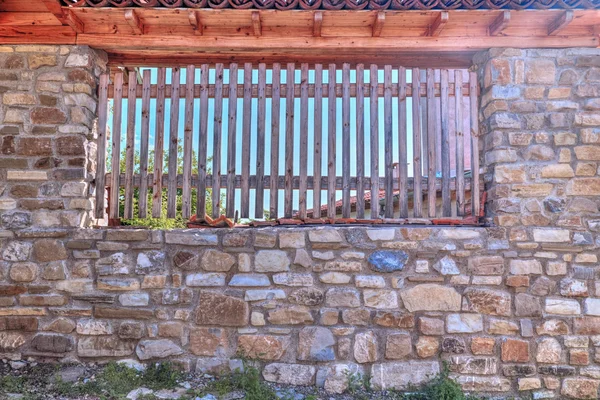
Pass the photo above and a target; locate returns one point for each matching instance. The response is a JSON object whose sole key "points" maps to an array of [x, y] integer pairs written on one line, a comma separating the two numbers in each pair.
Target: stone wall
{"points": [[512, 307]]}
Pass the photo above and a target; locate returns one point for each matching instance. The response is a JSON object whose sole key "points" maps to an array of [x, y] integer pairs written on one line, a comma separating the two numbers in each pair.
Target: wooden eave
{"points": [[164, 36]]}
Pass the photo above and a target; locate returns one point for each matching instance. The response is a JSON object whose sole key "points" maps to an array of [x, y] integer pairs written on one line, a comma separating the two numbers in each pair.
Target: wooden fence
{"points": [[426, 117]]}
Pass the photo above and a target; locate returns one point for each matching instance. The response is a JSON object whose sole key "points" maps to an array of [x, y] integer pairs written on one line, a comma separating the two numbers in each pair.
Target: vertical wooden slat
{"points": [[143, 196], [445, 105], [246, 132], [318, 137], [186, 194], [417, 169], [460, 145], [101, 161], [260, 139], [424, 121], [331, 148], [159, 144], [374, 125], [116, 146], [217, 132], [231, 142], [202, 144], [303, 140], [388, 142], [474, 143], [289, 139], [275, 116], [346, 140], [431, 150], [360, 141], [402, 145], [173, 143], [130, 145]]}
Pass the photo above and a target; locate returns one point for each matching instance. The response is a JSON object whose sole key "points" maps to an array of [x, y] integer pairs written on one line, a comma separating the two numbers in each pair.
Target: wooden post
{"points": [[101, 158], [145, 137], [116, 146], [202, 144]]}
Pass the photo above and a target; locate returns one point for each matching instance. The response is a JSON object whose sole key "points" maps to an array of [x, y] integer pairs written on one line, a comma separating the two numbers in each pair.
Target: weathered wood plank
{"points": [[260, 139], [188, 131], [159, 144], [101, 157], [331, 147], [474, 105], [202, 144], [417, 159], [231, 141], [402, 145], [431, 144], [217, 134], [460, 149], [275, 117], [560, 23], [303, 140], [173, 144], [388, 142], [360, 141], [445, 122], [318, 138], [116, 146], [130, 148], [144, 144], [289, 140], [246, 132], [374, 129], [346, 140]]}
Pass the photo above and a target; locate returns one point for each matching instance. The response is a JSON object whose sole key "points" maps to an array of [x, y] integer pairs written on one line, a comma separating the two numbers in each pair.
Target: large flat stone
{"points": [[402, 375], [431, 297], [221, 310]]}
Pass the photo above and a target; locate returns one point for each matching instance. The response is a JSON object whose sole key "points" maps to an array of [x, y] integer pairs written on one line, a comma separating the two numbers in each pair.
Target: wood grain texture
{"points": [[188, 132], [302, 193], [130, 147], [102, 129], [246, 132], [116, 146], [231, 142], [331, 142], [460, 149], [417, 151], [159, 144], [202, 144], [289, 140], [374, 137], [445, 122], [431, 144], [260, 139], [275, 131], [346, 141], [474, 110], [318, 138], [173, 145], [144, 146], [388, 142], [360, 141], [217, 134]]}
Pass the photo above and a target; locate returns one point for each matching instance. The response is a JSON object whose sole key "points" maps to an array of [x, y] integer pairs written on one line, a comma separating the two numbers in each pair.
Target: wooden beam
{"points": [[439, 24], [55, 8], [317, 23], [134, 22], [499, 24], [73, 21], [378, 24], [196, 22], [256, 24], [560, 23]]}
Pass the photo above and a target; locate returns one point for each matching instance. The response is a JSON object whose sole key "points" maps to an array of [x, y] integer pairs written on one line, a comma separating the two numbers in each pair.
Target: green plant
{"points": [[161, 376], [247, 380]]}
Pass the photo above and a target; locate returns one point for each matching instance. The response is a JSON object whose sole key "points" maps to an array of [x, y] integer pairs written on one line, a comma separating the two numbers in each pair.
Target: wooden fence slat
{"points": [[388, 142], [145, 137], [173, 144], [402, 145], [101, 163], [460, 147], [202, 144], [331, 148], [260, 139], [275, 117], [374, 129], [188, 131], [246, 133], [303, 140], [474, 143], [417, 168], [231, 142], [217, 133], [431, 145], [346, 140], [318, 137], [424, 121], [130, 147], [445, 122], [289, 139], [360, 141], [159, 144], [116, 146]]}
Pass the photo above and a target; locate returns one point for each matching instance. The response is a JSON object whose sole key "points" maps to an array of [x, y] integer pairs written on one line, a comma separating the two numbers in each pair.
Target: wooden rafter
{"points": [[134, 22], [499, 24], [195, 22], [73, 21], [65, 17], [439, 24], [560, 23], [378, 24], [256, 23], [317, 23]]}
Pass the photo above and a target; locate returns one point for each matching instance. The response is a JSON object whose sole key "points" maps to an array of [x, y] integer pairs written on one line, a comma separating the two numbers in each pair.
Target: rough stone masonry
{"points": [[512, 307]]}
